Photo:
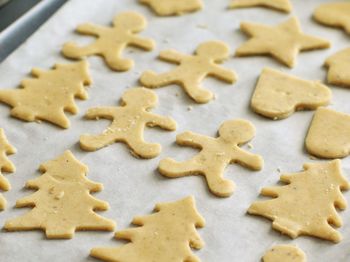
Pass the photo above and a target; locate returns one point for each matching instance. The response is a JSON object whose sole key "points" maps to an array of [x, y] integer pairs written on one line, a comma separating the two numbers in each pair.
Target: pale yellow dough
{"points": [[165, 236], [283, 41], [284, 253], [49, 94], [111, 41], [307, 204], [329, 134], [128, 123], [336, 14], [339, 68], [192, 70], [5, 165], [173, 7], [278, 95], [63, 203], [215, 154], [281, 5]]}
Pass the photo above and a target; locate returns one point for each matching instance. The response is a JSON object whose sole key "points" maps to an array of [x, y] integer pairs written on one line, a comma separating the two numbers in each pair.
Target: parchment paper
{"points": [[132, 186]]}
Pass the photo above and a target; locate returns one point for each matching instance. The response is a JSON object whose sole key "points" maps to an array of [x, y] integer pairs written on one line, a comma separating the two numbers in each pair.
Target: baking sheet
{"points": [[132, 186]]}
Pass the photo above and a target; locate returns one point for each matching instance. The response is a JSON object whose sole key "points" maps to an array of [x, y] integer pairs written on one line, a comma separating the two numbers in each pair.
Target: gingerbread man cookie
{"points": [[173, 7], [284, 253], [192, 70], [334, 14], [280, 5], [112, 40], [283, 41], [339, 68], [128, 123], [215, 155], [278, 95]]}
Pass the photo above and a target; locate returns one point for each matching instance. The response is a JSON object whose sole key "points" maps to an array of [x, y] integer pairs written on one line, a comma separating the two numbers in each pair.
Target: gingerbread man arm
{"points": [[90, 29], [103, 112], [189, 138], [247, 159], [144, 43], [172, 56], [223, 74], [166, 123]]}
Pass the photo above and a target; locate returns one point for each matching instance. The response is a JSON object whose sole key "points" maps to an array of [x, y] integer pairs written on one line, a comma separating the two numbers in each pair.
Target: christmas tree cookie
{"points": [[5, 165], [192, 69], [339, 68], [128, 123], [283, 41], [284, 253], [214, 156], [167, 236], [278, 95], [49, 94], [173, 7], [111, 41], [280, 5], [63, 203], [329, 134], [306, 204]]}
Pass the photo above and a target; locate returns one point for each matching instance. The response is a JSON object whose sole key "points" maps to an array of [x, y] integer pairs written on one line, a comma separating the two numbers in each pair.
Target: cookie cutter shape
{"points": [[329, 134], [128, 123], [192, 69], [285, 253], [111, 41], [280, 5], [339, 68], [278, 95], [173, 7], [214, 156]]}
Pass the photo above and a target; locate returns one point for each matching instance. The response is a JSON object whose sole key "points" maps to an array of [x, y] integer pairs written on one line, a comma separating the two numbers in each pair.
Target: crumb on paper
{"points": [[202, 26], [38, 121], [250, 146], [176, 94], [312, 157], [278, 170], [189, 108], [166, 40], [214, 96]]}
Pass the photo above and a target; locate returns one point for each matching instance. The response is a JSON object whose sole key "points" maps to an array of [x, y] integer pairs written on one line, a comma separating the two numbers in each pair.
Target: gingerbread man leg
{"points": [[143, 149], [95, 142], [217, 184], [171, 168], [113, 60], [152, 80], [196, 92], [74, 51]]}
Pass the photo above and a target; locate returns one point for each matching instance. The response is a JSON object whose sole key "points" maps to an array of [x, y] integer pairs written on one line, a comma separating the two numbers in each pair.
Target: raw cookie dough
{"points": [[280, 5], [215, 155], [49, 94], [167, 236], [329, 134], [173, 7], [336, 14], [284, 253], [63, 203], [192, 70], [128, 123], [339, 68], [283, 41], [278, 95], [5, 165], [111, 41], [307, 204]]}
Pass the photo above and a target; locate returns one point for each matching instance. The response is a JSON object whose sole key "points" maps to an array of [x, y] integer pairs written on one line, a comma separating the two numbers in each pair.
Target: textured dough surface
{"points": [[335, 14], [49, 94], [281, 5], [173, 7], [278, 95], [165, 236], [128, 123], [192, 69], [111, 41], [339, 68], [5, 165], [215, 155], [63, 203], [306, 204], [329, 134], [283, 42], [284, 253]]}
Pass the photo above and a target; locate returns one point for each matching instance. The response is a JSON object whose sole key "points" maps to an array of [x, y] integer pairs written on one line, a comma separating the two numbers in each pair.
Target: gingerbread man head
{"points": [[130, 21], [237, 131], [213, 50], [139, 97]]}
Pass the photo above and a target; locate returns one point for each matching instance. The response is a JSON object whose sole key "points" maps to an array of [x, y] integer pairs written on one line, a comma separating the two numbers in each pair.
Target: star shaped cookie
{"points": [[283, 41], [280, 5]]}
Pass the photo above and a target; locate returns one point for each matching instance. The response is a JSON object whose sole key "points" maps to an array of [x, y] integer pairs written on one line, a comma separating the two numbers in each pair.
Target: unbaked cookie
{"points": [[278, 95], [62, 203], [307, 204], [192, 69], [128, 123], [165, 236], [329, 134], [284, 253], [173, 7], [335, 14], [111, 41], [214, 156], [339, 68], [280, 5], [283, 41]]}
